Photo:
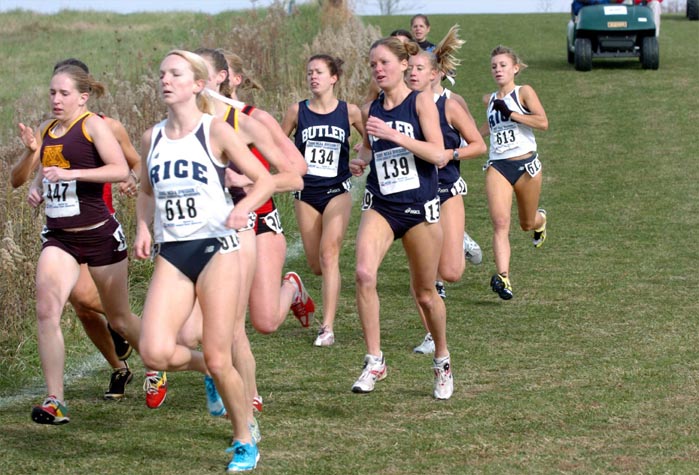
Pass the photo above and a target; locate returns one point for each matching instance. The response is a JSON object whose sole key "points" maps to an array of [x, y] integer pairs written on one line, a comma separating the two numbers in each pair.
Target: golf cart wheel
{"points": [[693, 9], [650, 53], [583, 54]]}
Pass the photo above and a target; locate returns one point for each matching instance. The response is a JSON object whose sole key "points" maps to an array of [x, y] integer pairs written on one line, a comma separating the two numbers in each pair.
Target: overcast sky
{"points": [[362, 7]]}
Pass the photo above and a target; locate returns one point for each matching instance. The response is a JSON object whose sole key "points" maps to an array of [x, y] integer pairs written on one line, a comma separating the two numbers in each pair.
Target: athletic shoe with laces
{"points": [[540, 234], [472, 251], [257, 403], [52, 411], [325, 337], [122, 347], [214, 403], [374, 370], [254, 428], [501, 286], [426, 347], [441, 290], [302, 305], [443, 380], [117, 384], [245, 457], [155, 386]]}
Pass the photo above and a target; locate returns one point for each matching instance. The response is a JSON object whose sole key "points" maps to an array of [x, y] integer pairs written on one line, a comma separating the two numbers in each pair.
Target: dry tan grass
{"points": [[18, 251], [263, 39], [349, 40]]}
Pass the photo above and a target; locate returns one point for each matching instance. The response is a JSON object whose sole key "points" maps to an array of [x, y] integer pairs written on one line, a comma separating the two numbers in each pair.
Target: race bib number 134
{"points": [[322, 158]]}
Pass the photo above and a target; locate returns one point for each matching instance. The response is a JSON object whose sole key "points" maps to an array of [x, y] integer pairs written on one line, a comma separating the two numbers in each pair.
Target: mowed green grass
{"points": [[591, 368]]}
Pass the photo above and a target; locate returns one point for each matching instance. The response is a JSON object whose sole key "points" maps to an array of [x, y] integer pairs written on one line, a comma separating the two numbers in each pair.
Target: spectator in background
{"points": [[420, 26]]}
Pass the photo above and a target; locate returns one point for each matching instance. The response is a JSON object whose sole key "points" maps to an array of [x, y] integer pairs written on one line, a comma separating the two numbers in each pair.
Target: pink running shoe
{"points": [[302, 305]]}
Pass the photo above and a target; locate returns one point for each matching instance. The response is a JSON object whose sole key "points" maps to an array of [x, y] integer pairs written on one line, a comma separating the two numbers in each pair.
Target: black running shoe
{"points": [[441, 290], [122, 347], [117, 384], [501, 286]]}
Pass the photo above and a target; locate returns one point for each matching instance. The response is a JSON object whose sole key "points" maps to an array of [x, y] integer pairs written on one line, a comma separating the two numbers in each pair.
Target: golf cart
{"points": [[606, 30]]}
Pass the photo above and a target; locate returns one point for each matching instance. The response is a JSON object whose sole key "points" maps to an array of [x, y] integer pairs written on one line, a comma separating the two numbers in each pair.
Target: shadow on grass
{"points": [[490, 303], [561, 65]]}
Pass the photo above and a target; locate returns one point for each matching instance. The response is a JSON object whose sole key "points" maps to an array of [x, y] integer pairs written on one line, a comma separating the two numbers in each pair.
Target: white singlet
{"points": [[191, 201]]}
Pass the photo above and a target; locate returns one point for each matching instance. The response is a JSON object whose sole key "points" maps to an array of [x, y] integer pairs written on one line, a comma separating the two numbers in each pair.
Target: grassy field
{"points": [[591, 368]]}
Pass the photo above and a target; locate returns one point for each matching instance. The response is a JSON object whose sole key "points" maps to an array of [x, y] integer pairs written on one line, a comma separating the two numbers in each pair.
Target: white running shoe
{"points": [[302, 306], [443, 380], [374, 370], [426, 347], [254, 428], [325, 337], [472, 251], [540, 234]]}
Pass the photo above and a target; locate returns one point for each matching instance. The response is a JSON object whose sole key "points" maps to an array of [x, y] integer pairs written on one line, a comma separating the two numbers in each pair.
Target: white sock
{"points": [[441, 361]]}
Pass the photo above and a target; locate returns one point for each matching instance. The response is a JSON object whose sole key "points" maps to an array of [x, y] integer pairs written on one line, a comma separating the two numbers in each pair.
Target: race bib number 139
{"points": [[396, 170]]}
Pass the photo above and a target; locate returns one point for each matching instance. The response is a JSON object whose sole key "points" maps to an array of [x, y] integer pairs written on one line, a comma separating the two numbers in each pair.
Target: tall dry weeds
{"points": [[350, 40], [267, 44], [19, 246], [268, 40]]}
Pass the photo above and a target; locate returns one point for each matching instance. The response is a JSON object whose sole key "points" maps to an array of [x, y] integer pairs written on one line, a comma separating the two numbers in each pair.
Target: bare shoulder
{"points": [[293, 109], [459, 99], [145, 138], [451, 105], [44, 125], [113, 124], [353, 111], [219, 126], [526, 90], [529, 96], [95, 124], [264, 117], [117, 128], [365, 109]]}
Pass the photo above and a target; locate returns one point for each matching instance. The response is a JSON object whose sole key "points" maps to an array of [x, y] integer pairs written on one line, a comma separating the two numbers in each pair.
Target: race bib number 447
{"points": [[61, 199]]}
